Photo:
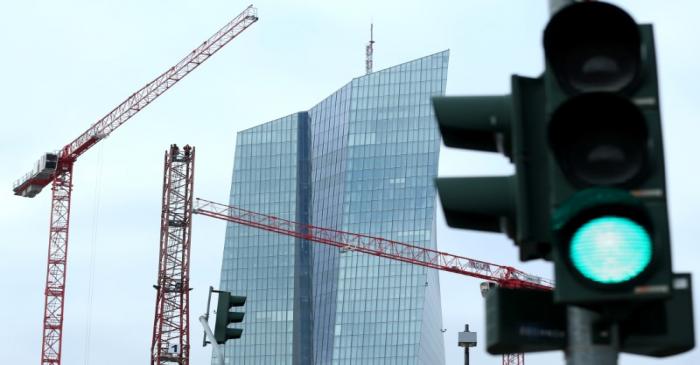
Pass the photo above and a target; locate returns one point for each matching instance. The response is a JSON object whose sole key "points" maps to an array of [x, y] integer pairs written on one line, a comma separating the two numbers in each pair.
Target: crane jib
{"points": [[31, 184], [505, 276]]}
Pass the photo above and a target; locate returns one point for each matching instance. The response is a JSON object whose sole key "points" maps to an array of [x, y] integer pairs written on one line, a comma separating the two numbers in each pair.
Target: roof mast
{"points": [[370, 49]]}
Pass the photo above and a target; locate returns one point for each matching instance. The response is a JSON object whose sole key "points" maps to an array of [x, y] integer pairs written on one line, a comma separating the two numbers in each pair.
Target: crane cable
{"points": [[93, 251]]}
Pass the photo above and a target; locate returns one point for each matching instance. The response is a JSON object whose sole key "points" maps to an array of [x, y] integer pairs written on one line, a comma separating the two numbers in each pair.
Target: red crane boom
{"points": [[504, 276], [58, 168], [101, 129]]}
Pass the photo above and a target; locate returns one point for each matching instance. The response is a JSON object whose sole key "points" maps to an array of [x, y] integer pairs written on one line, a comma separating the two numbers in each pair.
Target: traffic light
{"points": [[588, 191], [609, 221], [520, 321], [514, 126], [224, 317], [523, 320]]}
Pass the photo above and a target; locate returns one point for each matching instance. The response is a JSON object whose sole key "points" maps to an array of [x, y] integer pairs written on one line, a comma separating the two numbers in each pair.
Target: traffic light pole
{"points": [[217, 348], [584, 345]]}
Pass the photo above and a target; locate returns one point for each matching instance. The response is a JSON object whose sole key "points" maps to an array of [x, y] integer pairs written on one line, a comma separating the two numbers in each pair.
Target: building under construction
{"points": [[362, 160]]}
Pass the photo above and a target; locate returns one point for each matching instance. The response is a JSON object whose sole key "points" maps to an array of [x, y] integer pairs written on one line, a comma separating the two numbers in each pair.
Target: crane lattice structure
{"points": [[57, 168], [514, 359], [171, 331], [504, 276]]}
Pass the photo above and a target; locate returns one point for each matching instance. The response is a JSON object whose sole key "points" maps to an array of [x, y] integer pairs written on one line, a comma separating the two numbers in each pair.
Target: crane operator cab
{"points": [[48, 163], [32, 183]]}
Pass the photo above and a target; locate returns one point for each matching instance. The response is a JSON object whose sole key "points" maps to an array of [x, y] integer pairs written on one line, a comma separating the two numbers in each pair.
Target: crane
{"points": [[504, 276], [57, 168], [171, 331]]}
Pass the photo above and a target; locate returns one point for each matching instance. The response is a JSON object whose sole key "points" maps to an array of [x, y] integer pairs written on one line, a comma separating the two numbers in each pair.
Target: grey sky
{"points": [[65, 64]]}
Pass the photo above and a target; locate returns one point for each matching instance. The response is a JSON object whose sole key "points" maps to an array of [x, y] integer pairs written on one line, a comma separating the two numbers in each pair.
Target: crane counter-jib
{"points": [[41, 175]]}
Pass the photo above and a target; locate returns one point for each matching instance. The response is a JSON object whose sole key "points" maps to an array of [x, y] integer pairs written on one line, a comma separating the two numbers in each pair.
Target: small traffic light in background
{"points": [[607, 180], [514, 126], [224, 317]]}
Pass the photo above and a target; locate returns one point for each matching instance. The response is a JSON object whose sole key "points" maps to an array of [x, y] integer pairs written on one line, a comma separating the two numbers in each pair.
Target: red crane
{"points": [[504, 276], [171, 331], [57, 168]]}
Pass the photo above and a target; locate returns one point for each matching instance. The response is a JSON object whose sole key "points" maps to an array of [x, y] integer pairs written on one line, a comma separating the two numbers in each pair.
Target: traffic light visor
{"points": [[599, 139], [593, 46], [480, 123], [610, 249]]}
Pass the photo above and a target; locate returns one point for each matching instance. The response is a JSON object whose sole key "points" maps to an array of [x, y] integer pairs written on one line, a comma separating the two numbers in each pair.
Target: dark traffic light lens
{"points": [[599, 68], [610, 249], [599, 139], [593, 47], [604, 157]]}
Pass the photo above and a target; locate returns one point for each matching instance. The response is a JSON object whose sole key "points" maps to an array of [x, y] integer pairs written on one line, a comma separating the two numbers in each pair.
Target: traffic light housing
{"points": [[512, 125], [224, 317], [662, 328], [610, 235], [521, 320], [588, 192]]}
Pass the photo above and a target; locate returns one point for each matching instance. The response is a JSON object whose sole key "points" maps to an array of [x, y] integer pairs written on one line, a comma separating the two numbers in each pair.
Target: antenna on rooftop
{"points": [[370, 49]]}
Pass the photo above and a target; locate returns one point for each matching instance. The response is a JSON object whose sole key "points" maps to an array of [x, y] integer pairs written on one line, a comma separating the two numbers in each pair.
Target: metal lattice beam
{"points": [[144, 96], [514, 359], [505, 276], [171, 334], [56, 267]]}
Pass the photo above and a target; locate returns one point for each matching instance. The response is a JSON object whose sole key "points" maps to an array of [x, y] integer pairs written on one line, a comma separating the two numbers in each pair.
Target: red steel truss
{"points": [[171, 332], [514, 359], [505, 276], [56, 266], [144, 96], [61, 174]]}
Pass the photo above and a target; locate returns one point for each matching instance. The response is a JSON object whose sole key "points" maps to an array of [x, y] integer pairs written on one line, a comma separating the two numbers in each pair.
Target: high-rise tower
{"points": [[362, 160]]}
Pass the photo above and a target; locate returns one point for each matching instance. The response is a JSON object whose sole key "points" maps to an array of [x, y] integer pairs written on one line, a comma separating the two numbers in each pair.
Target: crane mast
{"points": [[171, 333], [57, 168], [514, 359], [56, 267]]}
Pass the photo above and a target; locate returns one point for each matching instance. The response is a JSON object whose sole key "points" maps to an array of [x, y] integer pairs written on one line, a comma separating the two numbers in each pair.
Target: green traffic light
{"points": [[610, 249]]}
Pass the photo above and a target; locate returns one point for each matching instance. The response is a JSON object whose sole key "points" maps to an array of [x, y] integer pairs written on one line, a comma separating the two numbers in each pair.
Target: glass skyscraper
{"points": [[362, 160]]}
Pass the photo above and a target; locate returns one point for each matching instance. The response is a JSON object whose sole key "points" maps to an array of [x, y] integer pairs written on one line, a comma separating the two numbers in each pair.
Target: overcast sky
{"points": [[67, 63]]}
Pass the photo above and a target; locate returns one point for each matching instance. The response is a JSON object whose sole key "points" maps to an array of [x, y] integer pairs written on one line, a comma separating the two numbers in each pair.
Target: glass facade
{"points": [[362, 160], [257, 263]]}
